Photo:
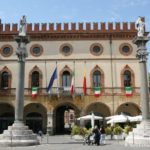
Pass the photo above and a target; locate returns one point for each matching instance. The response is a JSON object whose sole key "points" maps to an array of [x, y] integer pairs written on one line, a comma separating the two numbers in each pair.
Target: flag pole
{"points": [[74, 74], [45, 73], [48, 95], [84, 78], [57, 88]]}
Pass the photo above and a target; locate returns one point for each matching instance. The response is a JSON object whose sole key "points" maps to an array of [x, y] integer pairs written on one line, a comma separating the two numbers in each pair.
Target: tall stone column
{"points": [[142, 56], [19, 134], [22, 54], [141, 135]]}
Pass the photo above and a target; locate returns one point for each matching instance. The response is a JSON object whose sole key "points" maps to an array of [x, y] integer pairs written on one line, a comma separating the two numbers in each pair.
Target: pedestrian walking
{"points": [[102, 138], [96, 135]]}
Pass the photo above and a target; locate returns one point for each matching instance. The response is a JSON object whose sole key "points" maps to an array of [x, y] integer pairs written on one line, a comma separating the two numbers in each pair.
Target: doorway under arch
{"points": [[35, 115], [34, 121], [64, 118]]}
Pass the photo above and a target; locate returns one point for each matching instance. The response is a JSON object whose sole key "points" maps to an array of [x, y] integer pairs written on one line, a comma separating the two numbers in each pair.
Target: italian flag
{"points": [[72, 85], [128, 91], [97, 91], [34, 92], [84, 82]]}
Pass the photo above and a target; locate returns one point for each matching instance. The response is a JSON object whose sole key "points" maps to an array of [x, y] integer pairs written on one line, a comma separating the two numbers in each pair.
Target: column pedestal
{"points": [[140, 136], [18, 135]]}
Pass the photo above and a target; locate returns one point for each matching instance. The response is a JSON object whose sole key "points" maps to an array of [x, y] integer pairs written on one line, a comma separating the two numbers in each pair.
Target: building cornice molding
{"points": [[73, 36]]}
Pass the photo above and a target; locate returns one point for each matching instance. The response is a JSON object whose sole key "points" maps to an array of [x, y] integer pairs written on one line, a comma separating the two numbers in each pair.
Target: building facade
{"points": [[102, 52]]}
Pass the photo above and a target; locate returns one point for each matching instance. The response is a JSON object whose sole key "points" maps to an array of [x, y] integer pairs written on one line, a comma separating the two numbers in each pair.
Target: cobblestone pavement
{"points": [[65, 142]]}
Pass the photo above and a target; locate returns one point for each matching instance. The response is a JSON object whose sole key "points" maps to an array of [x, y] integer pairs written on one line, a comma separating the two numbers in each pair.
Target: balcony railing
{"points": [[116, 91]]}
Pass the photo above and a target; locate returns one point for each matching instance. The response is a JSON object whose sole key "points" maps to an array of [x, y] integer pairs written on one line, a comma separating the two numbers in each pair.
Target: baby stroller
{"points": [[89, 139]]}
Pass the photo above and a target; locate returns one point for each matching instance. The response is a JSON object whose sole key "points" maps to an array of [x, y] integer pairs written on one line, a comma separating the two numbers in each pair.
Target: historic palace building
{"points": [[101, 53]]}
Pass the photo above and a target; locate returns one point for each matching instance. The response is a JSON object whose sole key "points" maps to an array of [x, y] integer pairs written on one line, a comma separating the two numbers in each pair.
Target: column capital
{"points": [[140, 40], [21, 51], [141, 48]]}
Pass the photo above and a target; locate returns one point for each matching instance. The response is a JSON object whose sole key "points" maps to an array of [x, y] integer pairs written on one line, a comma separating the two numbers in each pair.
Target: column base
{"points": [[140, 136], [18, 135]]}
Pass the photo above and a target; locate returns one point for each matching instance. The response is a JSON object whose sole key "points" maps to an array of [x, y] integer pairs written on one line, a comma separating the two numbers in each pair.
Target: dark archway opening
{"points": [[6, 120], [6, 116], [35, 116], [65, 119], [34, 121]]}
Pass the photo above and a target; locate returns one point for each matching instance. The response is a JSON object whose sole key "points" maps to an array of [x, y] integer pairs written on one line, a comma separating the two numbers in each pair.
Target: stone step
{"points": [[16, 132], [15, 143], [18, 128], [19, 137]]}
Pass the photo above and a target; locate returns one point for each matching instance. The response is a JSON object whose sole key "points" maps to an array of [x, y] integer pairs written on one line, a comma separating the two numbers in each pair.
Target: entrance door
{"points": [[34, 121]]}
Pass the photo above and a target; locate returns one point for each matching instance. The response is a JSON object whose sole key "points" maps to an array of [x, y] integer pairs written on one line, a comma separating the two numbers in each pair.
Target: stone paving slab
{"points": [[67, 143]]}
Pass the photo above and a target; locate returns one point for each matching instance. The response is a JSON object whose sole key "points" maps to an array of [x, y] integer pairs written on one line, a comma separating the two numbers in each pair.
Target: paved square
{"points": [[65, 142]]}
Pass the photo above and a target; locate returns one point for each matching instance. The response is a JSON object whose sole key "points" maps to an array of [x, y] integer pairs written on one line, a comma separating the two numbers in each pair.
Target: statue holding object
{"points": [[23, 26], [140, 27]]}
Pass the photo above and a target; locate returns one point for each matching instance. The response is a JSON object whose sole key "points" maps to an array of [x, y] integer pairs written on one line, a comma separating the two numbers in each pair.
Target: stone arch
{"points": [[35, 115], [59, 117], [66, 104], [129, 108], [66, 68], [6, 116], [5, 69], [98, 108], [132, 76], [35, 68], [102, 75]]}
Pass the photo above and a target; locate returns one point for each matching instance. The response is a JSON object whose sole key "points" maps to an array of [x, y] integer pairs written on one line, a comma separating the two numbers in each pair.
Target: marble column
{"points": [[21, 54], [19, 134], [140, 136]]}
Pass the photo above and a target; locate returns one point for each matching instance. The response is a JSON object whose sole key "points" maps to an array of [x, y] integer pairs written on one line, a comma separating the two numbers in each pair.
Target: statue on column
{"points": [[140, 27], [23, 26]]}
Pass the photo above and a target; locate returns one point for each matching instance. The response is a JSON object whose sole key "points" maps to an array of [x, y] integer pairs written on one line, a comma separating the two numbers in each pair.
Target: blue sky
{"points": [[46, 11]]}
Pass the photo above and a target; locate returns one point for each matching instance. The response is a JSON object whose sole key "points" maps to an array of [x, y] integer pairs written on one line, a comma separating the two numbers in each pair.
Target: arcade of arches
{"points": [[63, 116]]}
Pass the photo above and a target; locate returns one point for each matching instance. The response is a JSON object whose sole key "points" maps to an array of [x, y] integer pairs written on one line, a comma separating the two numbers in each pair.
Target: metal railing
{"points": [[107, 91]]}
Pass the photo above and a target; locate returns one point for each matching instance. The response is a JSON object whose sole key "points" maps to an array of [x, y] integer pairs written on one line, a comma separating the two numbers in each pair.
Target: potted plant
{"points": [[78, 133], [126, 131], [108, 131], [117, 132]]}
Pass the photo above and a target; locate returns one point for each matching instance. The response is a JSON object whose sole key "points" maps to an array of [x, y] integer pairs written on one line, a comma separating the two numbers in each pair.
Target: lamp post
{"points": [[19, 134], [142, 132]]}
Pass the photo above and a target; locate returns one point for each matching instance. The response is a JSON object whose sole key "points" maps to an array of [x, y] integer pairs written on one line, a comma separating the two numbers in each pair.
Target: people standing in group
{"points": [[96, 135], [102, 134]]}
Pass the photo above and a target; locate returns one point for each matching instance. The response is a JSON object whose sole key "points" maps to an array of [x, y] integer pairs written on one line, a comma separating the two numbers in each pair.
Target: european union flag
{"points": [[54, 76]]}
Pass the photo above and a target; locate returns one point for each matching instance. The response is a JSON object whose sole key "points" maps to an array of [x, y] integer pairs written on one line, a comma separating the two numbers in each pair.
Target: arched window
{"points": [[127, 78], [35, 79], [96, 78], [4, 80], [66, 79]]}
